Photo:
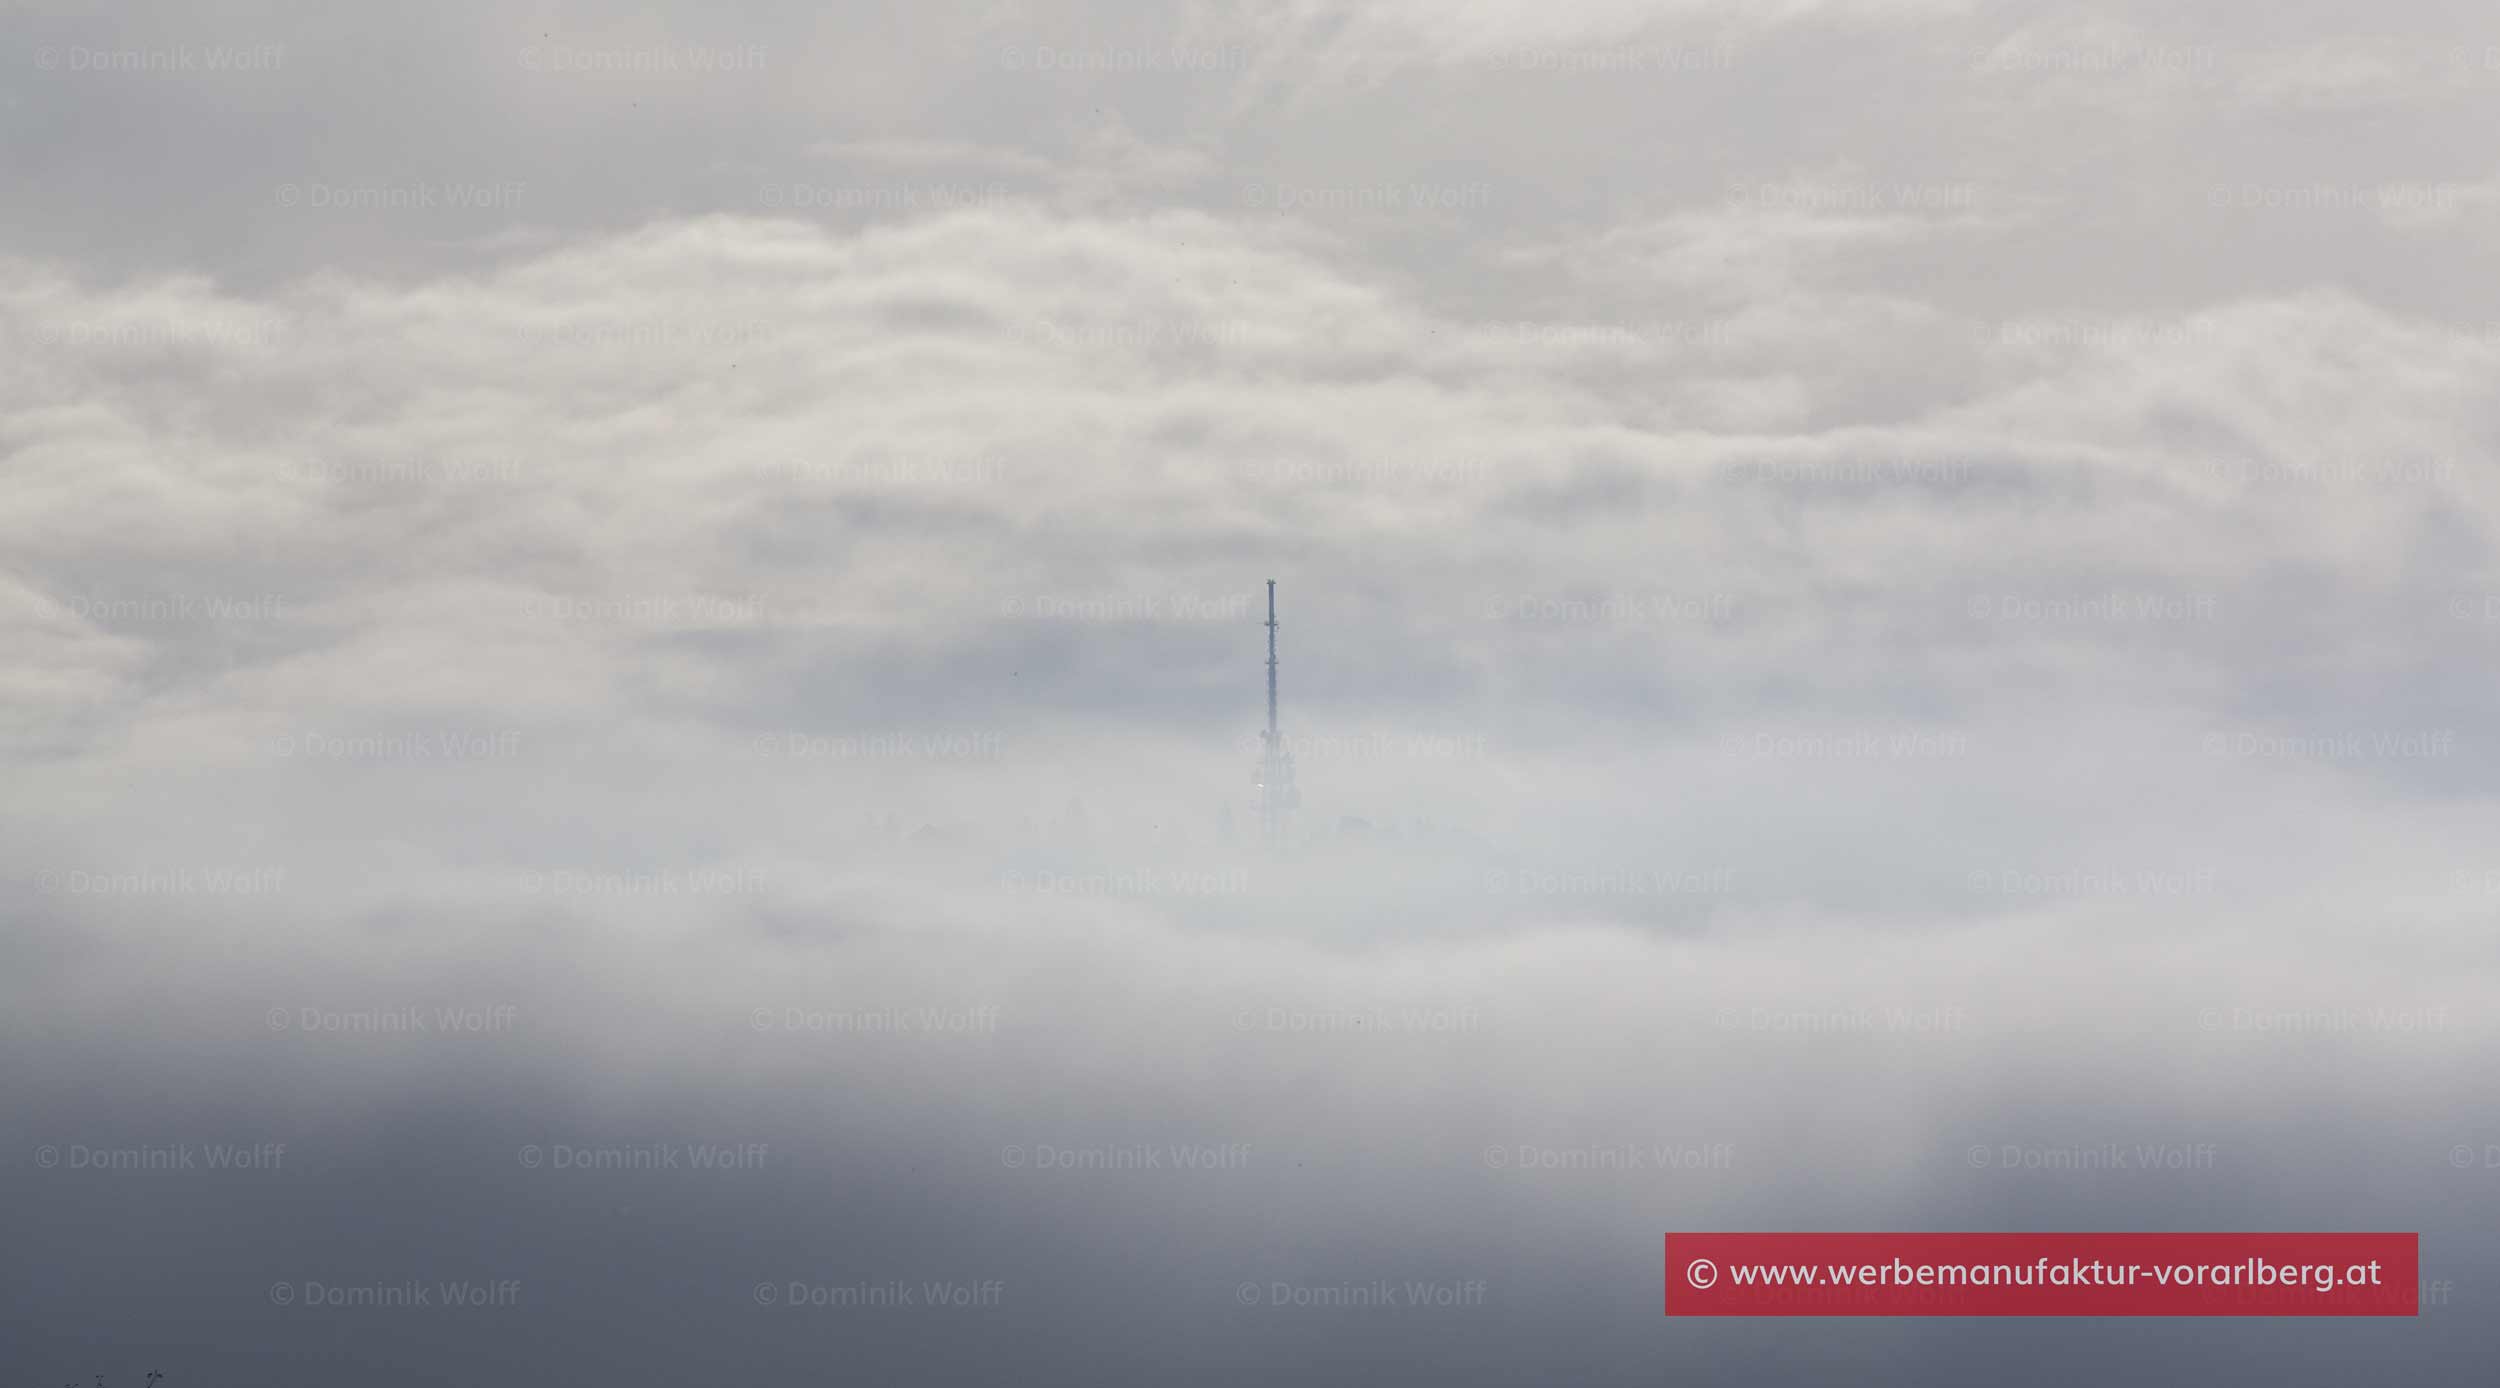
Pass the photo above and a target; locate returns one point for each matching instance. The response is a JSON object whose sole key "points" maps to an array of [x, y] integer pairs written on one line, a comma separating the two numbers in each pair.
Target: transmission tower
{"points": [[1277, 794]]}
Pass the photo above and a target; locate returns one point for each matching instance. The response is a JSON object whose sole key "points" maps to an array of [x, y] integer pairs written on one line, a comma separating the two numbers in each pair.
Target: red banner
{"points": [[2043, 1274]]}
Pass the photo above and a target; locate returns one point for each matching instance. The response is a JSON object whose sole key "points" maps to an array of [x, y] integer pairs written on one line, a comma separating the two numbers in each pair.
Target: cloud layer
{"points": [[1885, 613]]}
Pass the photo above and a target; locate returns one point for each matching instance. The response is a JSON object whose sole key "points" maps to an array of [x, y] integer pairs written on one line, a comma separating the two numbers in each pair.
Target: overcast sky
{"points": [[1872, 593]]}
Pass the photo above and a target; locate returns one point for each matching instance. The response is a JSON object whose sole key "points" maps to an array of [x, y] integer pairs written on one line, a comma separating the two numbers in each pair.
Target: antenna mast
{"points": [[1271, 660], [1277, 794]]}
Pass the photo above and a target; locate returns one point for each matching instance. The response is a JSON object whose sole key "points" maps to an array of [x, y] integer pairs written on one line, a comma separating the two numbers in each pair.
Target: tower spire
{"points": [[1271, 660], [1277, 794]]}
